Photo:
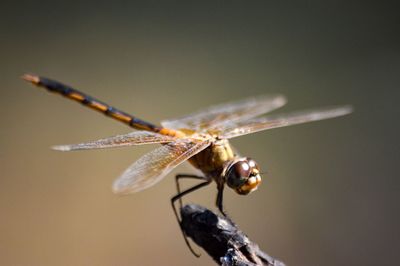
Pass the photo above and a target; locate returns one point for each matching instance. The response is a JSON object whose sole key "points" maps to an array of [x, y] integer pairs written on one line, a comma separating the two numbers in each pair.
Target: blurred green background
{"points": [[331, 193]]}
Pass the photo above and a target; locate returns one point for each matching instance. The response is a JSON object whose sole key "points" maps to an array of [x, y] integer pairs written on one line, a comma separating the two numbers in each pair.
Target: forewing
{"points": [[235, 111], [153, 166], [133, 138], [231, 130]]}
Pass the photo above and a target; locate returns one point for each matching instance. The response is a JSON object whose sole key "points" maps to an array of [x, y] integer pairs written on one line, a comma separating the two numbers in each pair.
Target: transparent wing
{"points": [[133, 138], [234, 111], [231, 130], [153, 166]]}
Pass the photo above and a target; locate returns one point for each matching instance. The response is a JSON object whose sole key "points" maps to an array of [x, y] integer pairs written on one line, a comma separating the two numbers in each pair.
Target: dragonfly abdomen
{"points": [[93, 103]]}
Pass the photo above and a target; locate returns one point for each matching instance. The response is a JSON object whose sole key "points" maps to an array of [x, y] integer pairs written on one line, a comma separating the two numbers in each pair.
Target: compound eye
{"points": [[252, 164], [242, 169], [238, 174]]}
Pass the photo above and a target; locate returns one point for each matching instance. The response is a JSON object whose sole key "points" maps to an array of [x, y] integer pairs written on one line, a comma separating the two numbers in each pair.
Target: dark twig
{"points": [[221, 238]]}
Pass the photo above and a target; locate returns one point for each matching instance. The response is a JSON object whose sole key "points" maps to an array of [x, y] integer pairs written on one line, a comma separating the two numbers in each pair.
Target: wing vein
{"points": [[232, 130], [236, 111], [130, 139], [155, 165]]}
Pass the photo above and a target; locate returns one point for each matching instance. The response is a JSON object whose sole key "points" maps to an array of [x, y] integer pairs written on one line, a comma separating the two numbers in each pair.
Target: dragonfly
{"points": [[201, 138]]}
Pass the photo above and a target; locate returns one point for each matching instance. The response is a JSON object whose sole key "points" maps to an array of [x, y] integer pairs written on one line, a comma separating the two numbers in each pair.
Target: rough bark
{"points": [[222, 239]]}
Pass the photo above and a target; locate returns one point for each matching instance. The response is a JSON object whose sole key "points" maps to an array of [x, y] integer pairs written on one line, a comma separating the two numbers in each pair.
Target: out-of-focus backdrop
{"points": [[331, 192]]}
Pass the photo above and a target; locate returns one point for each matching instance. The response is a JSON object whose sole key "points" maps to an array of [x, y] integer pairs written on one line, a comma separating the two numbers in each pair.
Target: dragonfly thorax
{"points": [[212, 160], [242, 175]]}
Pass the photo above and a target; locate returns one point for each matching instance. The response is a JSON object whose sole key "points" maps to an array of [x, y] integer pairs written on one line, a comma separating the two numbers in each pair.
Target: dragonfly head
{"points": [[243, 175]]}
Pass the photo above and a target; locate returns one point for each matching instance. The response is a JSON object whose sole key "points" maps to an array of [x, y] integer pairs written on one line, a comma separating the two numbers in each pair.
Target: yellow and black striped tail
{"points": [[57, 87]]}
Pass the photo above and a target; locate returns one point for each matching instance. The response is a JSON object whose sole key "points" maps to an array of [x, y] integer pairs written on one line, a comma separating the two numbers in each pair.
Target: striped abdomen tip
{"points": [[31, 78]]}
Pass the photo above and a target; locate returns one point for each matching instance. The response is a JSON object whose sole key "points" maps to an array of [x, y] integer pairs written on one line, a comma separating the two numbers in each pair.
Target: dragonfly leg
{"points": [[219, 201], [182, 176], [179, 196]]}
